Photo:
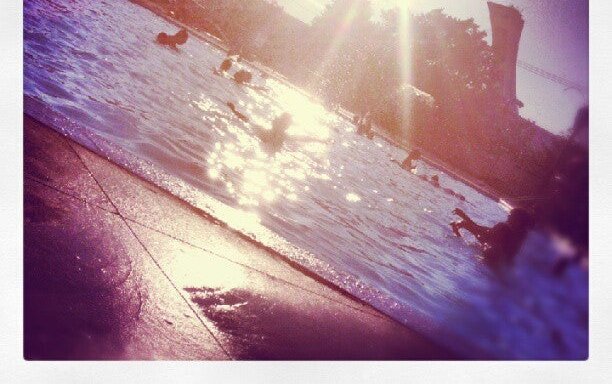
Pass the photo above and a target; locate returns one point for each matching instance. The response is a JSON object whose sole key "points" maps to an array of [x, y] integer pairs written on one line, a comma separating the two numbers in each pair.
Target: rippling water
{"points": [[377, 231]]}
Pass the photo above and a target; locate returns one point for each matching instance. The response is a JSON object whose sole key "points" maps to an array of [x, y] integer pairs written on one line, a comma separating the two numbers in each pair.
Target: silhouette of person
{"points": [[501, 242], [172, 41]]}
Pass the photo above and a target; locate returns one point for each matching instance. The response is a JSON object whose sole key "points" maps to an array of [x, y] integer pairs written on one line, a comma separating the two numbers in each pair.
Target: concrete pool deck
{"points": [[116, 268]]}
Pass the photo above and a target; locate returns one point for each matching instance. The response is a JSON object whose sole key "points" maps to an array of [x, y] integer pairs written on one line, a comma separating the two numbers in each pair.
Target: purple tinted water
{"points": [[367, 226]]}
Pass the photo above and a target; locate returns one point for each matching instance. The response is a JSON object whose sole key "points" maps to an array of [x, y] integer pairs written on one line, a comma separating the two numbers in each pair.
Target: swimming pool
{"points": [[349, 213]]}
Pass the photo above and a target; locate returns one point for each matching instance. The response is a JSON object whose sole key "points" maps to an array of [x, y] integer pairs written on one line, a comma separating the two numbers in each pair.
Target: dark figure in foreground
{"points": [[502, 241], [408, 164], [566, 208], [172, 41]]}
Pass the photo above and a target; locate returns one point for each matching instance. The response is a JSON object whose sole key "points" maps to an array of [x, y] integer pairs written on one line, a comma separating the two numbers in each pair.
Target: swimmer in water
{"points": [[435, 181], [225, 65], [172, 41], [243, 77], [232, 107], [408, 164], [274, 138], [500, 242]]}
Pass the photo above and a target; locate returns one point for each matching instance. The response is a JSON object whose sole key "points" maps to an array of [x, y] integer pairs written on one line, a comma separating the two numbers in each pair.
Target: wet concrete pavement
{"points": [[115, 268]]}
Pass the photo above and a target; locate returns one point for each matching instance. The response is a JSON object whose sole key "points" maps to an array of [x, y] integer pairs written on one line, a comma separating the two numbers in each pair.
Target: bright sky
{"points": [[555, 38]]}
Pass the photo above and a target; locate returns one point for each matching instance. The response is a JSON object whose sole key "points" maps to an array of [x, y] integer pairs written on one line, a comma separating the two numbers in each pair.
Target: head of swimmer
{"points": [[162, 38], [435, 180], [282, 123]]}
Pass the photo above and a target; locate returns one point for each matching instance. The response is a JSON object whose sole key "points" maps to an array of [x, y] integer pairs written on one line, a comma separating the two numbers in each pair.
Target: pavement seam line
{"points": [[151, 256], [198, 247], [59, 190], [212, 253]]}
